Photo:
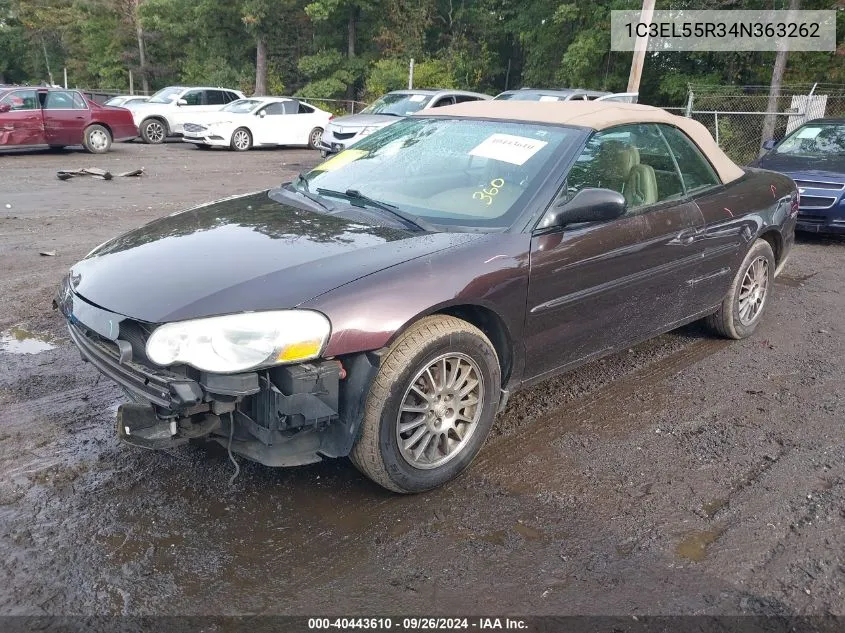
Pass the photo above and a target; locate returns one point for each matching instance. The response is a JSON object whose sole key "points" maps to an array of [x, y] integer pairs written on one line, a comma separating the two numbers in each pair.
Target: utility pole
{"points": [[775, 86], [639, 49]]}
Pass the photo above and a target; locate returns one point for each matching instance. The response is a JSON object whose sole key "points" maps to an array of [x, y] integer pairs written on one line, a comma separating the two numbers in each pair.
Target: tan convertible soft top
{"points": [[596, 115]]}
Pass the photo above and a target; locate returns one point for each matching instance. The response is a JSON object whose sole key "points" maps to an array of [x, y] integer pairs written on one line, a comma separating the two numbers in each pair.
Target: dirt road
{"points": [[688, 475]]}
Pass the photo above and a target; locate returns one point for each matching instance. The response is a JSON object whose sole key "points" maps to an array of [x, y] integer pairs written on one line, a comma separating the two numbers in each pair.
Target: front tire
{"points": [[743, 306], [153, 131], [97, 139], [241, 140], [430, 406]]}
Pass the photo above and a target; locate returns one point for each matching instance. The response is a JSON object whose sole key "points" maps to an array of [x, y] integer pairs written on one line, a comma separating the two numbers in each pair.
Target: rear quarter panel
{"points": [[757, 205], [118, 120]]}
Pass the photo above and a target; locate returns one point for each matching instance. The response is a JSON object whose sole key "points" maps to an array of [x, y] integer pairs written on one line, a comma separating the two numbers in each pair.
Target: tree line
{"points": [[359, 49]]}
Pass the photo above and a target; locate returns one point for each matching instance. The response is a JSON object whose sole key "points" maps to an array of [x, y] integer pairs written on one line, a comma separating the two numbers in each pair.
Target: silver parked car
{"points": [[346, 131], [565, 94], [126, 101]]}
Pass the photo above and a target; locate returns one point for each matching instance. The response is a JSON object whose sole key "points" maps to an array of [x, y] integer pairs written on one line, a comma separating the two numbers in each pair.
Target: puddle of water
{"points": [[711, 508], [694, 546], [527, 532], [18, 340]]}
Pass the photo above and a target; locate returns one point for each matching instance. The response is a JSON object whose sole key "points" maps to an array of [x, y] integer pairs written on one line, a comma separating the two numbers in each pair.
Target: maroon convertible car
{"points": [[58, 118], [385, 304]]}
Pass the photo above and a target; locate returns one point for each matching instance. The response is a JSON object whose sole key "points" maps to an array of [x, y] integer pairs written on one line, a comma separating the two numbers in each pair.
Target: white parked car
{"points": [[348, 130], [170, 108], [247, 123]]}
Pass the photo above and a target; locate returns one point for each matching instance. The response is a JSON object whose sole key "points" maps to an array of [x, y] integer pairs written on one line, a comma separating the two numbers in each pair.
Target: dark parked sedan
{"points": [[385, 304], [813, 155]]}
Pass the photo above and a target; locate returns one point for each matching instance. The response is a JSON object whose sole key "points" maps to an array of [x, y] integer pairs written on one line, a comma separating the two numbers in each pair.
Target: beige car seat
{"points": [[640, 186]]}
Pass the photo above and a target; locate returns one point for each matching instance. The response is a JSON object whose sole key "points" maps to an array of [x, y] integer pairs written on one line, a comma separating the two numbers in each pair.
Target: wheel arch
{"points": [[158, 117], [485, 319], [775, 240], [101, 124]]}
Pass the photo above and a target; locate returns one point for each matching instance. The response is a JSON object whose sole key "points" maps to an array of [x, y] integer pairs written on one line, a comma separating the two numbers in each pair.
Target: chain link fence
{"points": [[738, 117]]}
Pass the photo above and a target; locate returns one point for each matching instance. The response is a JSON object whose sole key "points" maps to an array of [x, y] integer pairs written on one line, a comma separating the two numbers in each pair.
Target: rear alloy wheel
{"points": [[153, 131], [430, 406], [241, 140], [96, 139], [743, 306], [315, 137]]}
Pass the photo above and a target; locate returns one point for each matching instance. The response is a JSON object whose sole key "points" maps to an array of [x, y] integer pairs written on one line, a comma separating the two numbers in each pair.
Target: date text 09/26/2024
{"points": [[418, 624]]}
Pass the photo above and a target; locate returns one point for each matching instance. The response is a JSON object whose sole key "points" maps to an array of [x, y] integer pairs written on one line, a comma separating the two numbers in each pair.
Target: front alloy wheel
{"points": [[440, 411], [153, 132], [430, 406], [241, 140]]}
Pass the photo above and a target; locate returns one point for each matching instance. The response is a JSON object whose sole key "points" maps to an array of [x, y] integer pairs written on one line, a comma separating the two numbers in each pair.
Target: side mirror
{"points": [[588, 205], [182, 102], [770, 144], [262, 114], [5, 107]]}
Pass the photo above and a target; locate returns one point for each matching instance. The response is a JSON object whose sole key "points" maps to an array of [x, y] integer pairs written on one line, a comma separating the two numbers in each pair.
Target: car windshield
{"points": [[397, 104], [115, 101], [459, 172], [815, 139], [166, 95], [242, 106]]}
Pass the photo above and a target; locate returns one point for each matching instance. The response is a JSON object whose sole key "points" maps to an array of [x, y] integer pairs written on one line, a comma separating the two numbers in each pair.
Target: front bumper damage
{"points": [[283, 416]]}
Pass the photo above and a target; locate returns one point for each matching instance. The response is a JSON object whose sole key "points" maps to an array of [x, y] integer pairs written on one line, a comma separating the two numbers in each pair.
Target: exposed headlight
{"points": [[238, 342], [370, 129]]}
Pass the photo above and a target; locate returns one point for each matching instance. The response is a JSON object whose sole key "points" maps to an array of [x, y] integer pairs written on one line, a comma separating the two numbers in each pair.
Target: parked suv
{"points": [[345, 131], [170, 108]]}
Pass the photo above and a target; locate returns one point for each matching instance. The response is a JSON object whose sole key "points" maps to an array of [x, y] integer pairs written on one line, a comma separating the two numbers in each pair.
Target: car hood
{"points": [[240, 254], [805, 167], [364, 120]]}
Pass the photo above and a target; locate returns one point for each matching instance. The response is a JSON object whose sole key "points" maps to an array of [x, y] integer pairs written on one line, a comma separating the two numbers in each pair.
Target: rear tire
{"points": [[441, 381], [315, 137], [97, 139], [241, 140], [751, 289], [153, 131]]}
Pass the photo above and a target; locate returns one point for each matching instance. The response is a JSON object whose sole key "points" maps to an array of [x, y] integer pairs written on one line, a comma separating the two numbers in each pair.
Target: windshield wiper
{"points": [[304, 191], [354, 196]]}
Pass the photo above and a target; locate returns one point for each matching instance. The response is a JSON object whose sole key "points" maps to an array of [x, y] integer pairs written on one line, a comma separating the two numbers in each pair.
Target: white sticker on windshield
{"points": [[417, 98], [548, 98], [508, 148], [809, 132]]}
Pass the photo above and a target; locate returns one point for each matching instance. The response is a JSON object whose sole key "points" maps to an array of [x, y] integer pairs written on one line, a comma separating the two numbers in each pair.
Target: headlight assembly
{"points": [[239, 342]]}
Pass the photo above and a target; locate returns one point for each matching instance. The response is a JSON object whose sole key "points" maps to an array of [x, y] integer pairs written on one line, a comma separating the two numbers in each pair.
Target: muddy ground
{"points": [[689, 475]]}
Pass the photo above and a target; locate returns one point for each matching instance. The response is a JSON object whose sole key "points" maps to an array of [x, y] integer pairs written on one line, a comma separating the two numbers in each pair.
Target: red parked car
{"points": [[57, 118]]}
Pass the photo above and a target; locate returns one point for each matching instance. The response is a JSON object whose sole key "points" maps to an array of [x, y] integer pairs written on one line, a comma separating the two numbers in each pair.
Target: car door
{"points": [[597, 287], [23, 123], [304, 121], [65, 117], [722, 243], [272, 124], [195, 101]]}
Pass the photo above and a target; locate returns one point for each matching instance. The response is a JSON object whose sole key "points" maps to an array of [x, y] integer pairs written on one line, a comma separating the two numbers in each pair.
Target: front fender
{"points": [[370, 312]]}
